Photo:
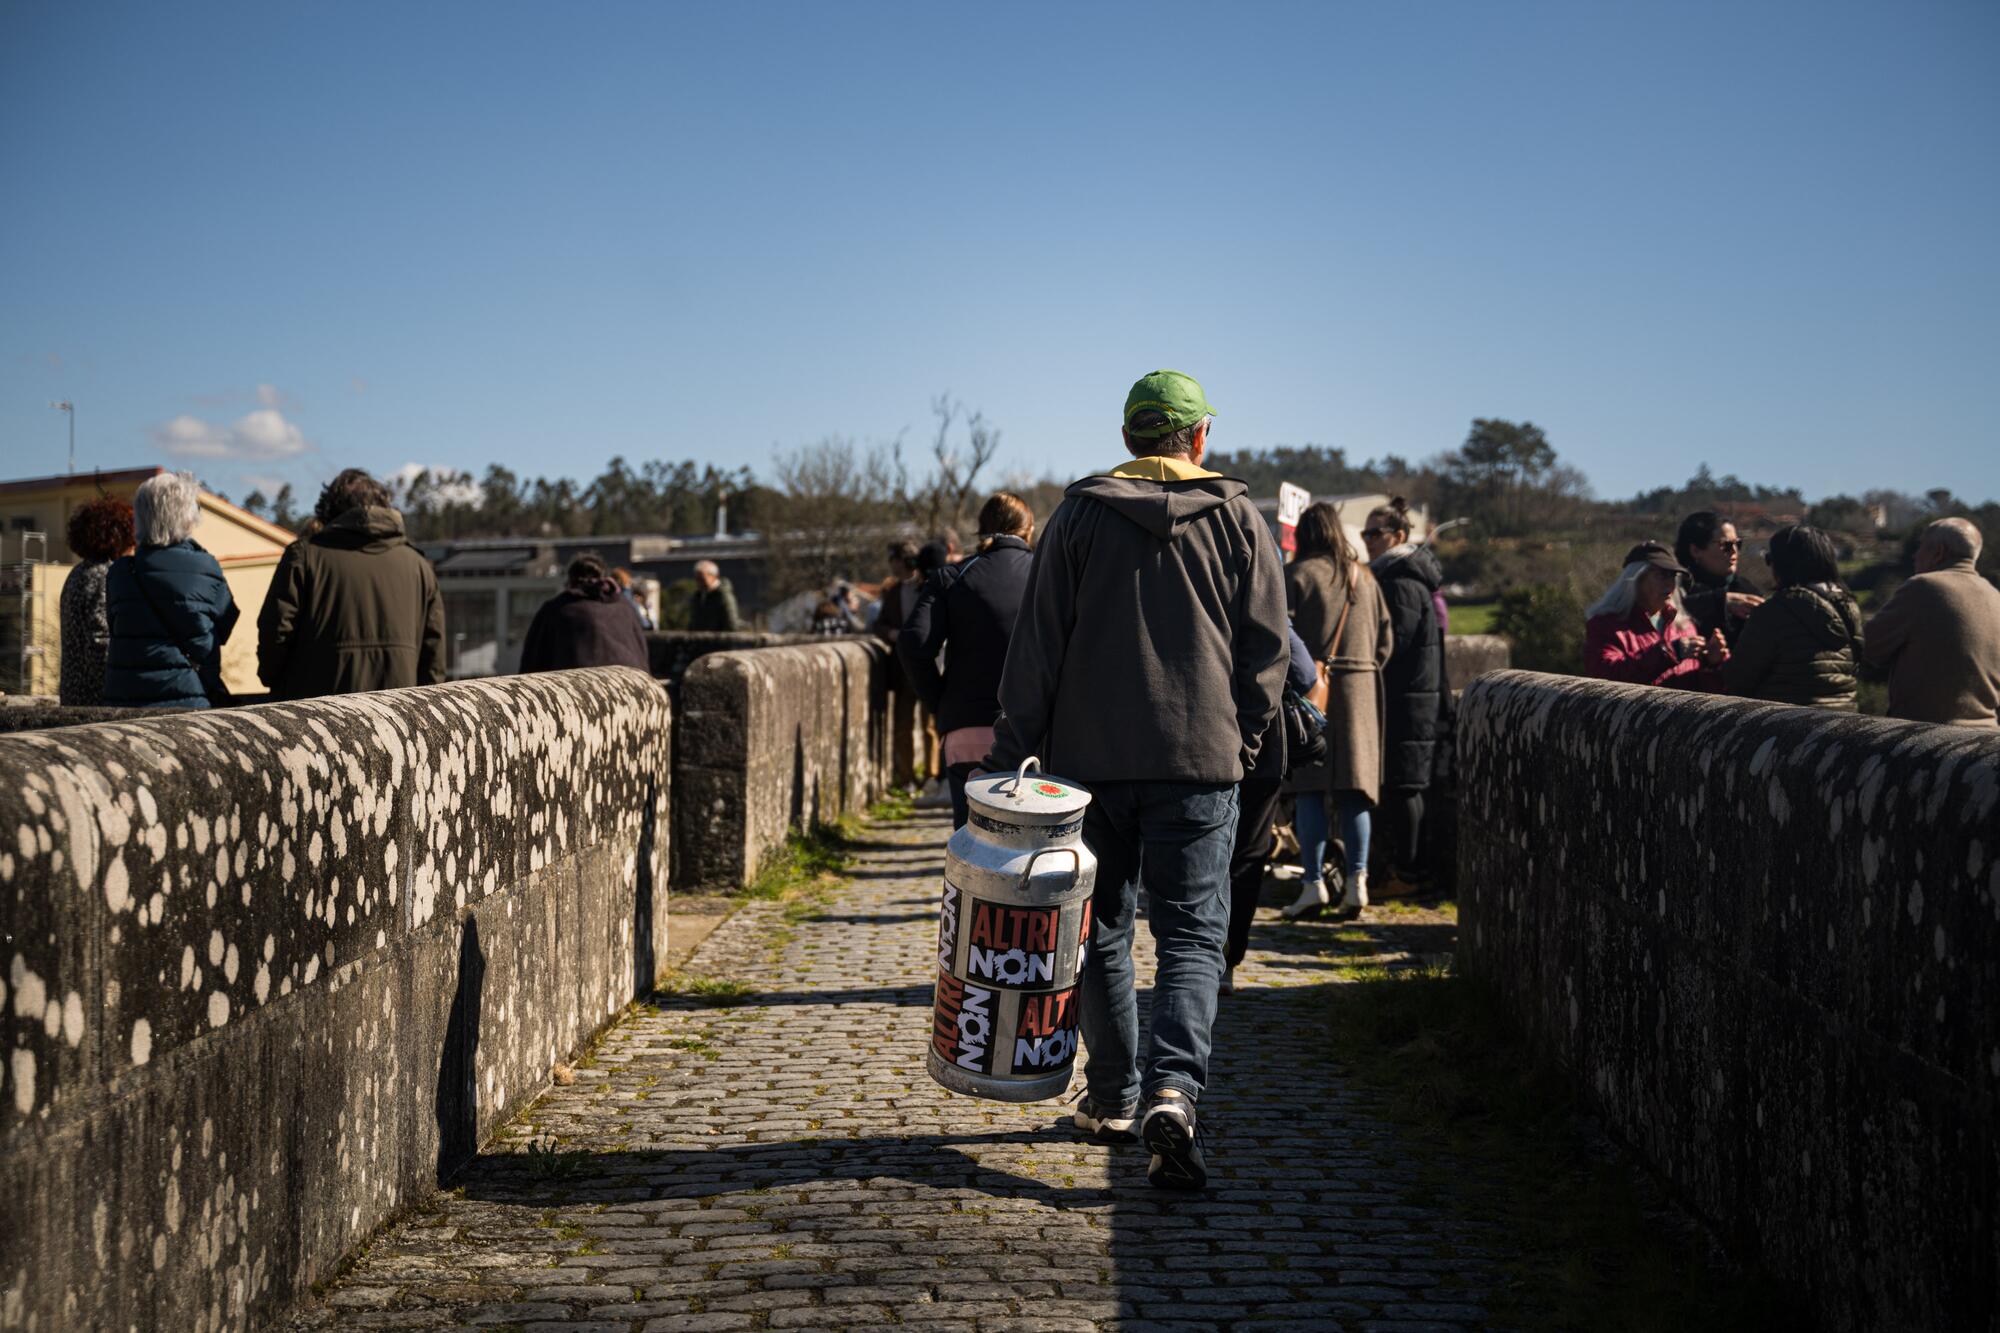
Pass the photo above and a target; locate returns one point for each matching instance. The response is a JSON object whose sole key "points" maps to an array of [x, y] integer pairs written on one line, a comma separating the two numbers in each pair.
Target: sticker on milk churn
{"points": [[1013, 934], [1007, 983]]}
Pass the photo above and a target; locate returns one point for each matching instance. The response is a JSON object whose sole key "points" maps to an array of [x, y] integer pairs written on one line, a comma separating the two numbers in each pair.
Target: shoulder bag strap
{"points": [[1340, 626], [1321, 693]]}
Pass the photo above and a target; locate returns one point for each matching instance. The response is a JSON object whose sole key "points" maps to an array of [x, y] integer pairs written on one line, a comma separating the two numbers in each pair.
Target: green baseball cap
{"points": [[1175, 396]]}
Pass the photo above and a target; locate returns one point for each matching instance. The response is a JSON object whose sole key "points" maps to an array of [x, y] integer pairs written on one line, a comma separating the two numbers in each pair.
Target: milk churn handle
{"points": [[1029, 871], [1020, 775]]}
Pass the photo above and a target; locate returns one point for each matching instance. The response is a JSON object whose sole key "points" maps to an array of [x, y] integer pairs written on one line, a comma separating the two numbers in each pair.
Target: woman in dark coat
{"points": [[590, 623], [967, 612], [1714, 593], [1802, 644], [99, 532], [1413, 681], [1339, 612], [170, 608]]}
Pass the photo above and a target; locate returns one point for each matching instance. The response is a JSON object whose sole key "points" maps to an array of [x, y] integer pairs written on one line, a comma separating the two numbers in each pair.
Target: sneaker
{"points": [[1173, 1136], [1103, 1123], [1228, 986], [1312, 897]]}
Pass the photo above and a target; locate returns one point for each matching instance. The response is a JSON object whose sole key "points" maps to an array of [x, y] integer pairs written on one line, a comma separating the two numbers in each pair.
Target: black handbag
{"points": [[1305, 732]]}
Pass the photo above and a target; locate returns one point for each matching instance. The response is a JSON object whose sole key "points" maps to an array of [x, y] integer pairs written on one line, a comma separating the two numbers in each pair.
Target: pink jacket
{"points": [[1629, 649]]}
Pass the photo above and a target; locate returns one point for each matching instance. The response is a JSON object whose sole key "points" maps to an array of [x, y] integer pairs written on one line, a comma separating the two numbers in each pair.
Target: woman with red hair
{"points": [[99, 532]]}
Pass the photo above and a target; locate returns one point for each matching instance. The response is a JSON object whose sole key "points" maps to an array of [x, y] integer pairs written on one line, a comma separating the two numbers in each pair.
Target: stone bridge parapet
{"points": [[271, 971], [1766, 941], [772, 740]]}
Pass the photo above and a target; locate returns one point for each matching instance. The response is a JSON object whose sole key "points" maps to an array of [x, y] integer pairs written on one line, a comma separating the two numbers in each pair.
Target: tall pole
{"points": [[69, 408]]}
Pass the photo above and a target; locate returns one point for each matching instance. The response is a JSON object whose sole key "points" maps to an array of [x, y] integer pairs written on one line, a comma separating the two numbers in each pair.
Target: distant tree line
{"points": [[835, 504]]}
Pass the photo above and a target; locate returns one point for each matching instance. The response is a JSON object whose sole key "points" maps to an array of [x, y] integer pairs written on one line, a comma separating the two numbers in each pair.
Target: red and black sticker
{"points": [[962, 1023], [1045, 1034]]}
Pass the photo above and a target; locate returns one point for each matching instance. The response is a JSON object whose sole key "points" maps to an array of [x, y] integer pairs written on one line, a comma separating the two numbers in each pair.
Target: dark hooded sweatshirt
{"points": [[353, 607], [1151, 640], [588, 624]]}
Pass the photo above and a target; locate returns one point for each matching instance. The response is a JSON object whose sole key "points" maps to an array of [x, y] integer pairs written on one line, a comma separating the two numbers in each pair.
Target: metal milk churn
{"points": [[1013, 929]]}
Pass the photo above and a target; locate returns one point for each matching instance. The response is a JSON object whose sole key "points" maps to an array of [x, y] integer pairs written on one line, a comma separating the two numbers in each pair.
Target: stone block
{"points": [[772, 741], [1470, 655]]}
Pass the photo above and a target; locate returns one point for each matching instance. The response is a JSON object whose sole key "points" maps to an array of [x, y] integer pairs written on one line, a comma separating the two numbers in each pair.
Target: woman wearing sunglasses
{"points": [[1715, 595]]}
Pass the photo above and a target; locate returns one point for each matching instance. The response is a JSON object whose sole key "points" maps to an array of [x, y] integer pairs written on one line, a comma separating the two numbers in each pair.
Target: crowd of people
{"points": [[145, 614], [1689, 618], [352, 605], [1152, 645]]}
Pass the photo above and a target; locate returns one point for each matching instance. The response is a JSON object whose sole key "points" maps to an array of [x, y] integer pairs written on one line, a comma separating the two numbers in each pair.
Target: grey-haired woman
{"points": [[170, 608]]}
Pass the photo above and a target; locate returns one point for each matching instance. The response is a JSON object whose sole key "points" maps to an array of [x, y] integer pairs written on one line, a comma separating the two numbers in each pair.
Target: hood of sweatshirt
{"points": [[1161, 495], [1409, 562], [368, 528], [1823, 611]]}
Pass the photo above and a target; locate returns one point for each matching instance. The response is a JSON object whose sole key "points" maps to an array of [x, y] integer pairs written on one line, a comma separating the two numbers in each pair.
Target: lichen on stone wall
{"points": [[1767, 939], [260, 921]]}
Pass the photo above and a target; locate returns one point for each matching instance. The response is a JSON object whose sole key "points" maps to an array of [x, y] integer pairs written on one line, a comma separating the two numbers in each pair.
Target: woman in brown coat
{"points": [[1339, 611]]}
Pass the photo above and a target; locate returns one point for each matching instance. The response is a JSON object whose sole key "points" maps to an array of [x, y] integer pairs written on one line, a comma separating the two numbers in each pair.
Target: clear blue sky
{"points": [[282, 239]]}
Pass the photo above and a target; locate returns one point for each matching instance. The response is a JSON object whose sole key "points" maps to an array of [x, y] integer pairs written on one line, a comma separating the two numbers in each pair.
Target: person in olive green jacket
{"points": [[353, 606], [1802, 645]]}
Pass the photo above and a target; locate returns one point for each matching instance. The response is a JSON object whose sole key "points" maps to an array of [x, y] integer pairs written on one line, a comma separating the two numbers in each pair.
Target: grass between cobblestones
{"points": [[1591, 1248]]}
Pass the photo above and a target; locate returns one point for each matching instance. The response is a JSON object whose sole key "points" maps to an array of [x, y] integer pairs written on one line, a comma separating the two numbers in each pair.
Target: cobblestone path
{"points": [[779, 1159]]}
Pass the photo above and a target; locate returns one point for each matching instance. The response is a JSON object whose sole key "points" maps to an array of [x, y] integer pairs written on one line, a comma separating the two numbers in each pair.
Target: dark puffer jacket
{"points": [[168, 607], [1802, 646], [353, 607], [1413, 677]]}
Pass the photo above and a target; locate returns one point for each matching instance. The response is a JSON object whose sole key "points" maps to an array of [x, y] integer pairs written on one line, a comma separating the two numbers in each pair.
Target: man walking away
{"points": [[1939, 635], [353, 606], [714, 604], [1147, 663]]}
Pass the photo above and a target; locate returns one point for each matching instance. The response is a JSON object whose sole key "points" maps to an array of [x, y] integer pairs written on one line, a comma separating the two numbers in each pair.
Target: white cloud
{"points": [[461, 489], [262, 434]]}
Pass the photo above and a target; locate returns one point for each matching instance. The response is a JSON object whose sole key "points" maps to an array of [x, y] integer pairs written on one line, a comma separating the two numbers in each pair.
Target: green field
{"points": [[1470, 617]]}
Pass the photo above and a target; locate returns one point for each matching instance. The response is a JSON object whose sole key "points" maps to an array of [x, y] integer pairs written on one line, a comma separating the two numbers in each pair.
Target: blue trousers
{"points": [[1176, 839], [1310, 823]]}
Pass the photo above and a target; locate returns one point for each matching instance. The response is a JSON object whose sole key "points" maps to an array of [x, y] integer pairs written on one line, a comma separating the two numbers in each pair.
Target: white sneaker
{"points": [[1354, 895], [1312, 897]]}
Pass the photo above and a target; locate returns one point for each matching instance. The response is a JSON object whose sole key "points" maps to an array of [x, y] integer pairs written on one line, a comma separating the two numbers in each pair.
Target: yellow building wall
{"points": [[247, 584]]}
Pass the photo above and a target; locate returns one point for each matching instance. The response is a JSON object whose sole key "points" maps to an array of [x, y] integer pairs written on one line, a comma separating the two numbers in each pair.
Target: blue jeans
{"points": [[1310, 824], [1176, 837]]}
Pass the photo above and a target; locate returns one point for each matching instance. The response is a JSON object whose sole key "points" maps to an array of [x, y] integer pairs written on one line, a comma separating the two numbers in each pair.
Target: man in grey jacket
{"points": [[1146, 664]]}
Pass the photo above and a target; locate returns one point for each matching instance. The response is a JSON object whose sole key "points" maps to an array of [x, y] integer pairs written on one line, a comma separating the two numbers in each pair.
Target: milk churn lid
{"points": [[1026, 798]]}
